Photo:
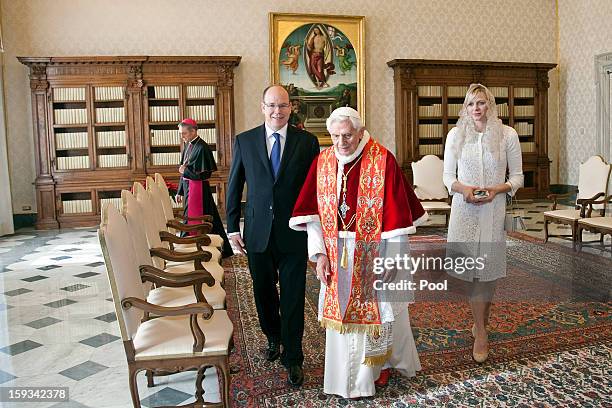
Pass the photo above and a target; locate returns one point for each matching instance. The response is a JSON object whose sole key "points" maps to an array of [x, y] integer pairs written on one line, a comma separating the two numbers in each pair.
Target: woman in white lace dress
{"points": [[477, 153]]}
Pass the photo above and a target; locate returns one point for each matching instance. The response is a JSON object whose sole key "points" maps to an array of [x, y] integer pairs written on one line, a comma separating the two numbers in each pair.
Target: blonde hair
{"points": [[467, 128]]}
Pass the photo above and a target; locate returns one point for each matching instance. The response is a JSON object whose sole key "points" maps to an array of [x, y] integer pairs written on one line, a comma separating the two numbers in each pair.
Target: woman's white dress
{"points": [[479, 230]]}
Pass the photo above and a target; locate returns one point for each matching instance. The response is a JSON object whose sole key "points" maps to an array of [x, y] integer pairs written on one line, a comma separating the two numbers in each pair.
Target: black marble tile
{"points": [[108, 318], [44, 322], [60, 258], [5, 377], [20, 347], [74, 288], [99, 340], [94, 264], [60, 303], [83, 370], [86, 274], [48, 267], [166, 397], [35, 278], [70, 249], [17, 292]]}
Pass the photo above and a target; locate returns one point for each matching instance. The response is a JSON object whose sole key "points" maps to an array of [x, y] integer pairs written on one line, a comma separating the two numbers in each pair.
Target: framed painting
{"points": [[320, 60]]}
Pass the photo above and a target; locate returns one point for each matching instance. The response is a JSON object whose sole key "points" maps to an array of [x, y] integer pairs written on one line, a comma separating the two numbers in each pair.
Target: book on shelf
{"points": [[214, 195], [523, 92], [74, 140], [524, 110], [209, 135], [200, 91], [111, 201], [523, 128], [454, 109], [214, 153], [164, 114], [111, 138], [70, 116], [165, 137], [110, 115], [437, 149], [166, 92], [499, 91], [166, 159], [528, 147], [109, 93], [430, 110], [456, 91], [202, 113], [429, 90], [76, 206], [73, 162], [69, 94], [503, 109], [430, 130], [112, 160]]}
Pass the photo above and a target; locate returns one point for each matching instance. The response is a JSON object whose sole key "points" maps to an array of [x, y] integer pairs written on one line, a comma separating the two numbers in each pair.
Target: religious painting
{"points": [[319, 59]]}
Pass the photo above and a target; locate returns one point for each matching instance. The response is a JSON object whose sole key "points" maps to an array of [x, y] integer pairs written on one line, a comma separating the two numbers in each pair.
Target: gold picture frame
{"points": [[320, 60]]}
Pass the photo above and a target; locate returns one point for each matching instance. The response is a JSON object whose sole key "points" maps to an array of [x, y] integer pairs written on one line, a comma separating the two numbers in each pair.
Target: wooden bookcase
{"points": [[101, 123], [430, 93]]}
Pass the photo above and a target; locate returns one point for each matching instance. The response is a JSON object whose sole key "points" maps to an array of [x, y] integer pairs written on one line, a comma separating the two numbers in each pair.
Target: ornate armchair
{"points": [[592, 184], [192, 336], [429, 187], [601, 225]]}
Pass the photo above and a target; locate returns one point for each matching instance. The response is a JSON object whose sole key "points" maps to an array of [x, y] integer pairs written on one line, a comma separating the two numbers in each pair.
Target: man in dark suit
{"points": [[273, 159]]}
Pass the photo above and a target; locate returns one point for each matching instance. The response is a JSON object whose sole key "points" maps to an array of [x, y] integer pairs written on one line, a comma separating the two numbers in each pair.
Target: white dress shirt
{"points": [[270, 139]]}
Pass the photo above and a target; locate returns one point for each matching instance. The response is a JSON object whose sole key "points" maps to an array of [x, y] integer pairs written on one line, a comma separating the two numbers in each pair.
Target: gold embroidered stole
{"points": [[362, 314]]}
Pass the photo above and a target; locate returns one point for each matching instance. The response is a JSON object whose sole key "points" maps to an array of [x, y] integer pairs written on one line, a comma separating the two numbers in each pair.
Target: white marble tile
{"points": [[50, 359]]}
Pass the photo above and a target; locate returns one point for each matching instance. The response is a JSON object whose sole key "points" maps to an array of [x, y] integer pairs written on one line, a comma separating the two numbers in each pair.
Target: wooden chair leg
{"points": [[134, 388], [150, 379], [545, 230], [226, 382], [199, 395]]}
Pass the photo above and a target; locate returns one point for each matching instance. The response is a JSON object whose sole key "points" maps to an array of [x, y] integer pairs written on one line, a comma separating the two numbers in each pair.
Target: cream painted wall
{"points": [[518, 30], [585, 32]]}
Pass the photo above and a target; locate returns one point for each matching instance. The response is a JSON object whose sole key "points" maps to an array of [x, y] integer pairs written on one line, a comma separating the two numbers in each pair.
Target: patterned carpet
{"points": [[542, 353]]}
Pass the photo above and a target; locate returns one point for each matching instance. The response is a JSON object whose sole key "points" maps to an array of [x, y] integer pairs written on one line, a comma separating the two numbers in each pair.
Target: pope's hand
{"points": [[323, 269]]}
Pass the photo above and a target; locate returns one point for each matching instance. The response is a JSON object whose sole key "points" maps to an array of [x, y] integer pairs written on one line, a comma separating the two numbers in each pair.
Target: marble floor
{"points": [[58, 326]]}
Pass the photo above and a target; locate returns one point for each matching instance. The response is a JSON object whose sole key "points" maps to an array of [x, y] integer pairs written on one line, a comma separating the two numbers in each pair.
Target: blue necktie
{"points": [[275, 156]]}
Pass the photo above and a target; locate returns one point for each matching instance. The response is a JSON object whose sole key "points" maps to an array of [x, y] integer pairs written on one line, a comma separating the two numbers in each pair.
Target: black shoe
{"points": [[296, 375], [273, 351]]}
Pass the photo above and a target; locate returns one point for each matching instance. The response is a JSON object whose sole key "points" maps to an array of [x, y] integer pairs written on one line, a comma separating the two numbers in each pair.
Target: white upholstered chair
{"points": [[165, 293], [599, 225], [180, 262], [183, 337], [158, 221], [592, 184], [163, 195], [429, 187]]}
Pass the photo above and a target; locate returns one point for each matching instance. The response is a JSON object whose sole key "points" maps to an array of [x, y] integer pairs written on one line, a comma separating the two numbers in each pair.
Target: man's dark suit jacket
{"points": [[269, 203]]}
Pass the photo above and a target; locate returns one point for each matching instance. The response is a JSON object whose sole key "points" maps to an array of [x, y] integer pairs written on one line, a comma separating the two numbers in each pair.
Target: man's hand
{"points": [[323, 269], [238, 243], [182, 168], [178, 198]]}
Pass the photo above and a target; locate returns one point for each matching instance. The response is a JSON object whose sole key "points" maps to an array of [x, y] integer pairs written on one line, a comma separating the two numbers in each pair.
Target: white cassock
{"points": [[345, 373]]}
